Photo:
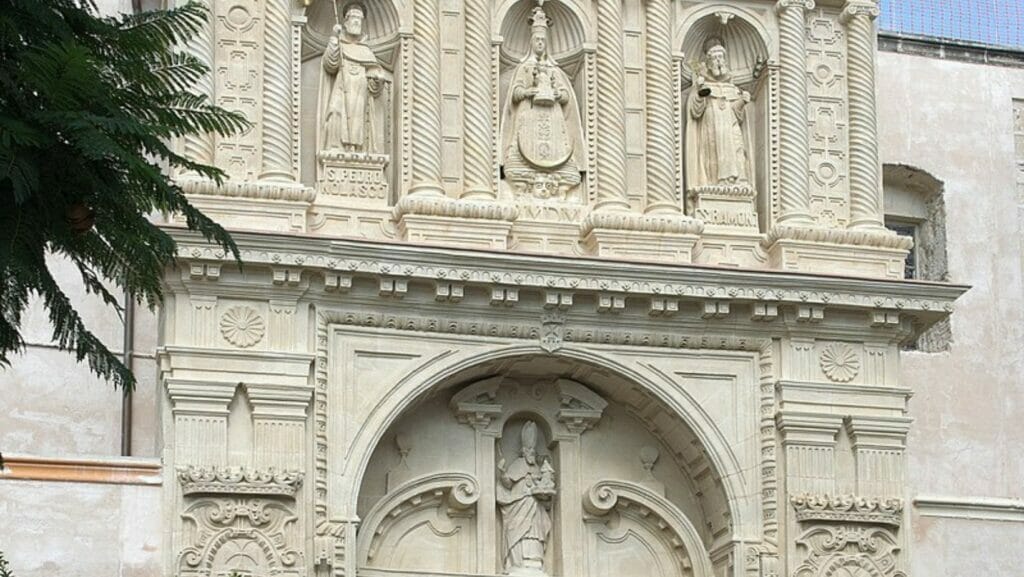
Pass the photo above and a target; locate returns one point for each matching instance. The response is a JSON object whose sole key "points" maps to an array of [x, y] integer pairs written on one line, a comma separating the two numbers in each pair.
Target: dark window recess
{"points": [[907, 229]]}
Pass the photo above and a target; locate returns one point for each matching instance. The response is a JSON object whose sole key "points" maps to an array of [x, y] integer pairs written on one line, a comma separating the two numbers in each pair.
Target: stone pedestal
{"points": [[724, 205], [838, 251], [347, 178], [620, 234], [458, 223]]}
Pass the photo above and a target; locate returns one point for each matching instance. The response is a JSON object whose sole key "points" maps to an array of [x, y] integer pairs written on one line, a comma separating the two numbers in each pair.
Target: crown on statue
{"points": [[539, 21]]}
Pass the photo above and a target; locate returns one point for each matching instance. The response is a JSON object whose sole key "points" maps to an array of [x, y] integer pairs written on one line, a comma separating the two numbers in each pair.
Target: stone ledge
{"points": [[971, 508], [101, 470]]}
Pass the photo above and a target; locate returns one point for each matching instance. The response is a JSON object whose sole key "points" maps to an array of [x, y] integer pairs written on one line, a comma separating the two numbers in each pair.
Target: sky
{"points": [[993, 22]]}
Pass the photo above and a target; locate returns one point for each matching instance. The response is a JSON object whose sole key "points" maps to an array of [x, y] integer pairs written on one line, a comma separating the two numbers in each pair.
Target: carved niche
{"points": [[355, 96], [530, 501], [720, 111], [239, 521]]}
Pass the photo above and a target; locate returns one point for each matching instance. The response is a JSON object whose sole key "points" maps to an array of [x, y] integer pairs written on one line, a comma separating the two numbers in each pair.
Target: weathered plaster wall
{"points": [[80, 530], [954, 120]]}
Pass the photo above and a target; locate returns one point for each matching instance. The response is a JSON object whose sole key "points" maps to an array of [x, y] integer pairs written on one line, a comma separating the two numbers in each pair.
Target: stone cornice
{"points": [[848, 509], [928, 302]]}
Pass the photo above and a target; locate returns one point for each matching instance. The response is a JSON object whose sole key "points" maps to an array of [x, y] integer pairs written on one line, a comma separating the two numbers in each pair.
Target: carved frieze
{"points": [[242, 326], [840, 362]]}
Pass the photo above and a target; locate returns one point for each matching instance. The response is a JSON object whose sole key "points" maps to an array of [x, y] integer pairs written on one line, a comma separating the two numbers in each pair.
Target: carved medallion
{"points": [[242, 326], [840, 362]]}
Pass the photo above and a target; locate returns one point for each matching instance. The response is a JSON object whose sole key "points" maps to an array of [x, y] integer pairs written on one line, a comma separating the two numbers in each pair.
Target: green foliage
{"points": [[5, 569], [88, 109]]}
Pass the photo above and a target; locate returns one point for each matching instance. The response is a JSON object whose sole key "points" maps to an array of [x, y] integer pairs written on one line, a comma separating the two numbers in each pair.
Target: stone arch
{"points": [[722, 462], [748, 41]]}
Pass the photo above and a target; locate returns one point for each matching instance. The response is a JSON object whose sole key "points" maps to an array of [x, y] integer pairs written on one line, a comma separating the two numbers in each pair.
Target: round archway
{"points": [[451, 483]]}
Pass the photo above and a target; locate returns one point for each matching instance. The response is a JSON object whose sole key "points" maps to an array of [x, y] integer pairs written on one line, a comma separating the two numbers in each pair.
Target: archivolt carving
{"points": [[450, 494], [653, 511]]}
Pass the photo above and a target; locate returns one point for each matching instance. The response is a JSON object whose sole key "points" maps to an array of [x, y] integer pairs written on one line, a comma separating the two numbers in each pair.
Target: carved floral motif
{"points": [[242, 326], [840, 362]]}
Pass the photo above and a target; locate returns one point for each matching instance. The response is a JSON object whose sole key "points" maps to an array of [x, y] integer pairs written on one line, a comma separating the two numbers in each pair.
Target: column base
{"points": [[620, 234], [265, 206], [875, 253], [459, 223]]}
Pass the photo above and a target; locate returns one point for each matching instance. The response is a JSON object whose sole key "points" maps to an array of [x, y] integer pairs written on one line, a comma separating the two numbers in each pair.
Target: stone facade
{"points": [[567, 289]]}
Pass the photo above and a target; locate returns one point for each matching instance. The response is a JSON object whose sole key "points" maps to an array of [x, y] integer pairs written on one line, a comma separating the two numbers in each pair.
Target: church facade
{"points": [[565, 288]]}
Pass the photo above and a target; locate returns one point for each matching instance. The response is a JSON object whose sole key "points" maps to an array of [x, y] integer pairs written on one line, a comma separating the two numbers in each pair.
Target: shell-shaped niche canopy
{"points": [[566, 35], [381, 24], [744, 38]]}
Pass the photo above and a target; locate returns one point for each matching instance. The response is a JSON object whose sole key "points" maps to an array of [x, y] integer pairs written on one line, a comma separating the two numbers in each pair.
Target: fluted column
{"points": [[426, 100], [611, 109], [200, 147], [479, 130], [277, 93], [794, 153], [662, 188], [865, 181]]}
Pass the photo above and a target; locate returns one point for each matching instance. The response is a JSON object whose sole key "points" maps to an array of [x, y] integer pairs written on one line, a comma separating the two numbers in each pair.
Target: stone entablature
{"points": [[665, 131]]}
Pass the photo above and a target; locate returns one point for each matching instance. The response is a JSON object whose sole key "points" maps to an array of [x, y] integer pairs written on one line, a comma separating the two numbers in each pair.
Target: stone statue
{"points": [[523, 492], [717, 149], [351, 81], [542, 136]]}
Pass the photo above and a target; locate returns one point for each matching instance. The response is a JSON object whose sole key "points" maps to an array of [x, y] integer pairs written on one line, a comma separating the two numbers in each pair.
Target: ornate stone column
{"points": [[277, 94], [794, 194], [426, 100], [662, 185], [199, 147], [478, 174], [611, 115], [865, 181]]}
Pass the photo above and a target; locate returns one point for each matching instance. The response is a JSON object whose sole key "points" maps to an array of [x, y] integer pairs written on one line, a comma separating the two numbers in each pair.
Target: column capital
{"points": [[783, 5], [854, 8]]}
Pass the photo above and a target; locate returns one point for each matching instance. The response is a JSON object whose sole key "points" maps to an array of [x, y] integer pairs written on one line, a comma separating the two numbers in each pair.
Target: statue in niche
{"points": [[716, 141], [354, 116], [352, 81], [542, 136], [524, 494]]}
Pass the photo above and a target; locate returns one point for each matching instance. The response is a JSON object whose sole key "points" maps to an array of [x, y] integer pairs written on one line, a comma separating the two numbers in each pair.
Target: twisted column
{"points": [[611, 109], [795, 151], [426, 100], [662, 193], [199, 147], [865, 181], [277, 93], [478, 123]]}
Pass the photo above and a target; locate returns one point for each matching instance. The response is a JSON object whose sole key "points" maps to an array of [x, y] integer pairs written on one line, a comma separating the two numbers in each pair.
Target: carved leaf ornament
{"points": [[242, 326], [840, 362]]}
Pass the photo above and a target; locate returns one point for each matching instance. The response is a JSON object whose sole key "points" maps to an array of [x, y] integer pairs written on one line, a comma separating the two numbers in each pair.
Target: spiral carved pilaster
{"points": [[865, 189], [478, 121], [611, 124], [794, 196], [277, 92], [426, 99], [199, 147], [662, 195]]}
